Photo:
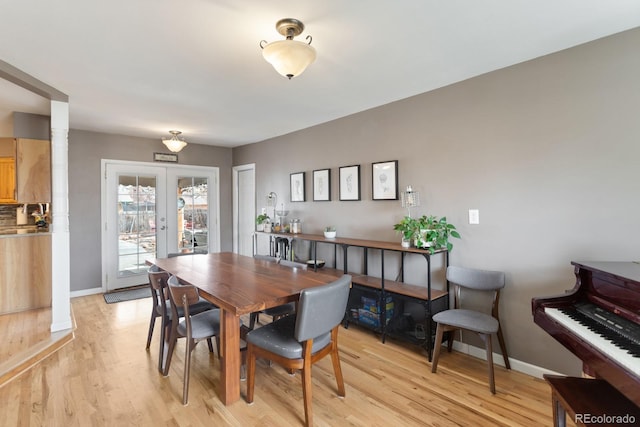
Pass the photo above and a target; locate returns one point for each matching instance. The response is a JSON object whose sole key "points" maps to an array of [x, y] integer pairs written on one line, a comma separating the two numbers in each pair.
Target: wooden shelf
{"points": [[413, 291], [380, 288]]}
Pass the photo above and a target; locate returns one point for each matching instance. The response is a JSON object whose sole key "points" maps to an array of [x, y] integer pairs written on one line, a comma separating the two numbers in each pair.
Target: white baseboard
{"points": [[85, 292], [516, 365]]}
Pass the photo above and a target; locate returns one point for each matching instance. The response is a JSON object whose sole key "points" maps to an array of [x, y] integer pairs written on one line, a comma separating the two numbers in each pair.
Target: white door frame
{"points": [[236, 190], [214, 205]]}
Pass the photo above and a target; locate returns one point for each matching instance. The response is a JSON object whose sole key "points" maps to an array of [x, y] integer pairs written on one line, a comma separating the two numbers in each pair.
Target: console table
{"points": [[375, 302]]}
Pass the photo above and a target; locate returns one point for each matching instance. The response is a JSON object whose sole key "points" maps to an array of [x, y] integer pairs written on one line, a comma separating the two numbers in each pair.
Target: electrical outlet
{"points": [[474, 216]]}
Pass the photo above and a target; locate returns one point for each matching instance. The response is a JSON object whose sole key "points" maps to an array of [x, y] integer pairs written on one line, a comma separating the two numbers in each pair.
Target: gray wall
{"points": [[86, 149], [547, 150]]}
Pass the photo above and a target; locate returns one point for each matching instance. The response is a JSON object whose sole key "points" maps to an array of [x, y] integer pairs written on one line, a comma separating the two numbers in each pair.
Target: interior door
{"points": [[244, 209], [135, 225]]}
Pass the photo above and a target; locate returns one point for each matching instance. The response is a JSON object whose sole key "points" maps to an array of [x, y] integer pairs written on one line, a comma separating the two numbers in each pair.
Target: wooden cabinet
{"points": [[7, 179], [25, 272], [33, 170], [7, 170], [25, 170]]}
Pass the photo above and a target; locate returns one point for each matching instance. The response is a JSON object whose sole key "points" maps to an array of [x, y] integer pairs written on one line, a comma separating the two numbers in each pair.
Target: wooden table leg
{"points": [[230, 359]]}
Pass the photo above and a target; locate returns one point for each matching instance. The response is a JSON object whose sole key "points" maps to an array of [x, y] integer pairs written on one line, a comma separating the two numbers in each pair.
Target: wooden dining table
{"points": [[240, 285]]}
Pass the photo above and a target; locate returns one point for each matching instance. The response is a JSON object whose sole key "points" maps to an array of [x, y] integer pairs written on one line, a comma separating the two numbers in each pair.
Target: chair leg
{"points": [[187, 368], [306, 388], [436, 350], [450, 335], [253, 317], [172, 346], [152, 324], [503, 348], [335, 358], [487, 339], [251, 373], [165, 332], [210, 344]]}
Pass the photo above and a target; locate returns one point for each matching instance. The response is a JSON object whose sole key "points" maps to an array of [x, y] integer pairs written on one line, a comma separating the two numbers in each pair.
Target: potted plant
{"points": [[437, 233], [260, 220], [330, 232], [407, 227], [427, 232]]}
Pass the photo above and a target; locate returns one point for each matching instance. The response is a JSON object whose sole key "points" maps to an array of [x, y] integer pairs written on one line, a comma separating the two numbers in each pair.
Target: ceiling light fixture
{"points": [[289, 57], [174, 143]]}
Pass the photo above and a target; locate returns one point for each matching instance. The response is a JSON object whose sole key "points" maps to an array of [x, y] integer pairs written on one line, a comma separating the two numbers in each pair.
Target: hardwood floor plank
{"points": [[104, 377]]}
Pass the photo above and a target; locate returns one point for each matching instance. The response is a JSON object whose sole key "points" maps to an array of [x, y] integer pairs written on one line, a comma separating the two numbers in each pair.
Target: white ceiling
{"points": [[143, 67]]}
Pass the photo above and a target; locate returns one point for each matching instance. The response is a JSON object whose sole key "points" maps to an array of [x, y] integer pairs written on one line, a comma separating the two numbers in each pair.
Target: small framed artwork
{"points": [[165, 157], [297, 187], [385, 180], [322, 185], [350, 182]]}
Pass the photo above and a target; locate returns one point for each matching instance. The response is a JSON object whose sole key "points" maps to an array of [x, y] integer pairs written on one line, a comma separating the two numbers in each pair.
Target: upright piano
{"points": [[599, 321]]}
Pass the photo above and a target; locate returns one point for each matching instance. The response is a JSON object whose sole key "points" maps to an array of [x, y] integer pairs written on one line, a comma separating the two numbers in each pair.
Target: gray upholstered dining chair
{"points": [[161, 308], [482, 323], [281, 310], [194, 327], [297, 342]]}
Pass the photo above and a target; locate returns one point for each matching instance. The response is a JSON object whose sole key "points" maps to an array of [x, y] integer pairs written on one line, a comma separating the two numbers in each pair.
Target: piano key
{"points": [[605, 345]]}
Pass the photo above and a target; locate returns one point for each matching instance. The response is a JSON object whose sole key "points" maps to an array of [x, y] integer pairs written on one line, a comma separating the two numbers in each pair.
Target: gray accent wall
{"points": [[86, 150], [546, 150]]}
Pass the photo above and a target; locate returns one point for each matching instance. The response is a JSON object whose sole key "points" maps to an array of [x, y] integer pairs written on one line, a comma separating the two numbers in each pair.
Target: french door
{"points": [[150, 211]]}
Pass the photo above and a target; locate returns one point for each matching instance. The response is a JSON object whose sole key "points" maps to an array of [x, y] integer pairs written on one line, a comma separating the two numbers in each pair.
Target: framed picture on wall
{"points": [[322, 185], [385, 180], [350, 182], [297, 187]]}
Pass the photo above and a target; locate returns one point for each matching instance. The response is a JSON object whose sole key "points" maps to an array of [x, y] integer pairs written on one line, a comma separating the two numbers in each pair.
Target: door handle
{"points": [[163, 227]]}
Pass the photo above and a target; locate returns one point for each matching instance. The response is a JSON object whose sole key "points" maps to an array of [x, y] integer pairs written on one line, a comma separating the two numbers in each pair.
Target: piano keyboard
{"points": [[621, 346]]}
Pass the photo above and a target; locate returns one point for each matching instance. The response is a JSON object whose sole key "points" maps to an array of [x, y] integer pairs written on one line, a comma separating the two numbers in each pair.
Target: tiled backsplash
{"points": [[8, 214]]}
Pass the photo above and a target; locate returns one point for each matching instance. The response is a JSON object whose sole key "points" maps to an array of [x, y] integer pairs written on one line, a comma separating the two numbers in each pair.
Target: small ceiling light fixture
{"points": [[289, 57], [174, 143]]}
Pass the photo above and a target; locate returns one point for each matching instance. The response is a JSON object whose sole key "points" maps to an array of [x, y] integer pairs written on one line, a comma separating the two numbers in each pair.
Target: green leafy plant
{"points": [[407, 227], [261, 218], [428, 232], [330, 228]]}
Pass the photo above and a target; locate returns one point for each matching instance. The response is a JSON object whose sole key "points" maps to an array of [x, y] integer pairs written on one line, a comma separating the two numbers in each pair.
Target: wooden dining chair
{"points": [[194, 327], [297, 342], [473, 319], [161, 308], [281, 310]]}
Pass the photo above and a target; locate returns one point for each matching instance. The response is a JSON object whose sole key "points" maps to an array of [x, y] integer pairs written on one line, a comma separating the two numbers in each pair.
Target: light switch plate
{"points": [[474, 216]]}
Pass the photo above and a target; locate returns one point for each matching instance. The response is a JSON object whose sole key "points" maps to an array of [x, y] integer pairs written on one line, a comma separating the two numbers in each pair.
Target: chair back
{"points": [[158, 282], [182, 295], [293, 264], [322, 308], [479, 281]]}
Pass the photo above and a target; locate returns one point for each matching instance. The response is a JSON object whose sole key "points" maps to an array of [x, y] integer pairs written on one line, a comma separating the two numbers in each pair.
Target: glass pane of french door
{"points": [[136, 223], [192, 214]]}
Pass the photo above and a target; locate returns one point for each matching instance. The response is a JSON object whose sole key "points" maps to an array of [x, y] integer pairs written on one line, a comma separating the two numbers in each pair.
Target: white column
{"points": [[60, 246]]}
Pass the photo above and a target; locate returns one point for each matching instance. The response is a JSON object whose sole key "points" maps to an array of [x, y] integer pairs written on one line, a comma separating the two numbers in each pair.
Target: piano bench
{"points": [[589, 402]]}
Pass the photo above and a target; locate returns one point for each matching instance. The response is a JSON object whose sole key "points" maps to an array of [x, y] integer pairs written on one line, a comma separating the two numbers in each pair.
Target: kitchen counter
{"points": [[22, 231]]}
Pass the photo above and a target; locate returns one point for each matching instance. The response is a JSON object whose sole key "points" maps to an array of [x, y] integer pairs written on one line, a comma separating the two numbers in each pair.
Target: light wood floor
{"points": [[104, 377]]}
